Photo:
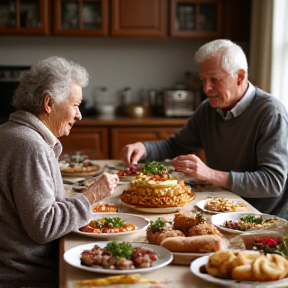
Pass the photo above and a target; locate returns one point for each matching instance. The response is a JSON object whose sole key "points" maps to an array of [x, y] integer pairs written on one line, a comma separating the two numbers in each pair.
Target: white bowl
{"points": [[105, 109]]}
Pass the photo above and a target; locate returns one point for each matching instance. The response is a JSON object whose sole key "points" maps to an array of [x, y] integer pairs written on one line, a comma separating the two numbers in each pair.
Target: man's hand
{"points": [[192, 165], [133, 153]]}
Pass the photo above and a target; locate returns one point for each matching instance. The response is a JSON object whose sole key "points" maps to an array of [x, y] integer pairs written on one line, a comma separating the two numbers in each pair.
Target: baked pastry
{"points": [[157, 190], [194, 244], [247, 265]]}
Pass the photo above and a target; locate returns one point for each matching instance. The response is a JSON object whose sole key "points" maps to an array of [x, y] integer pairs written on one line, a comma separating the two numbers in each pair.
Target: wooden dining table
{"points": [[175, 275]]}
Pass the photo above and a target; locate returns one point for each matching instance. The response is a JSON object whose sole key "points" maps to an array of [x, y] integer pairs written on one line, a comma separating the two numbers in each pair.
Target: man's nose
{"points": [[207, 86]]}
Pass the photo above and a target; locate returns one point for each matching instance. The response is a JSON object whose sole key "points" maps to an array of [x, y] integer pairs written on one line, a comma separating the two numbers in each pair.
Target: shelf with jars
{"points": [[24, 17], [127, 18], [81, 17], [196, 18]]}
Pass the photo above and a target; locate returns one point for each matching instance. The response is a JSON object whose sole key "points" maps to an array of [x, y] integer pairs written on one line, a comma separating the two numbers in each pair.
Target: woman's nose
{"points": [[78, 114]]}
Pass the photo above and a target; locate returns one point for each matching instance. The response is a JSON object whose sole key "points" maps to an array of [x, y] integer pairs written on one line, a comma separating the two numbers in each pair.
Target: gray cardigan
{"points": [[33, 210], [251, 144]]}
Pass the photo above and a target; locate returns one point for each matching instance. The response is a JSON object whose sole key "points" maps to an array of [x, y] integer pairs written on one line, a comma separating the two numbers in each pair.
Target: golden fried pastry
{"points": [[270, 267], [156, 191], [184, 222], [220, 264], [247, 265], [204, 229]]}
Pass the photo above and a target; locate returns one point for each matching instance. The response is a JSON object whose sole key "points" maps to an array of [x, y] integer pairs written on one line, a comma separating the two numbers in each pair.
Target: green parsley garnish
{"points": [[157, 225], [114, 222], [154, 168], [120, 250]]}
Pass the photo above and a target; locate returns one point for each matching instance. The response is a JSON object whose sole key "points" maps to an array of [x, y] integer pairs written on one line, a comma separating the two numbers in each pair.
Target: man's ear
{"points": [[241, 76], [47, 103]]}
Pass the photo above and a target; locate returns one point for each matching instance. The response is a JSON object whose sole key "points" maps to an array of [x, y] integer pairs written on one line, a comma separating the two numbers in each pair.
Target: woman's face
{"points": [[66, 113]]}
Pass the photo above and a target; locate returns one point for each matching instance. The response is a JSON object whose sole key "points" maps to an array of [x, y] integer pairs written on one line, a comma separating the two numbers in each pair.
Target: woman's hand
{"points": [[132, 153], [101, 187]]}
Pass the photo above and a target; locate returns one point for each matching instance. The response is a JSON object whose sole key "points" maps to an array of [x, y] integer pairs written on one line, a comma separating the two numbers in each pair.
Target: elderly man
{"points": [[242, 129]]}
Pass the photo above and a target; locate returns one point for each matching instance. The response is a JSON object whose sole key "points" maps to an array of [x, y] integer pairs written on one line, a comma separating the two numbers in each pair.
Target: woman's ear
{"points": [[47, 103]]}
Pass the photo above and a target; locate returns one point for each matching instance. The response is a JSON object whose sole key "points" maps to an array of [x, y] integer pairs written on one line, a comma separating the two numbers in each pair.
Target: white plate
{"points": [[140, 222], [72, 257], [197, 263], [186, 258], [84, 174], [127, 178], [201, 204], [160, 210], [219, 219]]}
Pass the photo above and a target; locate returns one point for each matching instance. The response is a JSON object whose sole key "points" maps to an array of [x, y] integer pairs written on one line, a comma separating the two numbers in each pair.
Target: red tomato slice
{"points": [[87, 228], [129, 227]]}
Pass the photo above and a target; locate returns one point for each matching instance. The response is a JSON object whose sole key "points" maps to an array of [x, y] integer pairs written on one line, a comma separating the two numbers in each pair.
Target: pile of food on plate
{"points": [[118, 256], [252, 222], [154, 187], [77, 163], [218, 204], [104, 208], [108, 225], [186, 233], [246, 265], [131, 170]]}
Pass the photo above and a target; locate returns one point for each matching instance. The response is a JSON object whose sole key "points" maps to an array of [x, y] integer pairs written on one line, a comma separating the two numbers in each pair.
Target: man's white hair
{"points": [[233, 57]]}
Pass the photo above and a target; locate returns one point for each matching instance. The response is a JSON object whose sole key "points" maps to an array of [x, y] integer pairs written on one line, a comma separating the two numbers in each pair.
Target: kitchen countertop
{"points": [[113, 120]]}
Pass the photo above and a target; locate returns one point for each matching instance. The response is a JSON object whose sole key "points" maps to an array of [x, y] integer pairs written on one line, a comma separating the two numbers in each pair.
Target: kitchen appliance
{"points": [[177, 103], [9, 80]]}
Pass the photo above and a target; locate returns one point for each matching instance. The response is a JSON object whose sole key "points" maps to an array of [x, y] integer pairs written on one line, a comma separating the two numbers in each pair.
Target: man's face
{"points": [[218, 85], [65, 114]]}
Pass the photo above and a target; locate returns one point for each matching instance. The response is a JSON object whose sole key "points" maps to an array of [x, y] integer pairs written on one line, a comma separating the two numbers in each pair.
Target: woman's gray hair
{"points": [[233, 57], [53, 76]]}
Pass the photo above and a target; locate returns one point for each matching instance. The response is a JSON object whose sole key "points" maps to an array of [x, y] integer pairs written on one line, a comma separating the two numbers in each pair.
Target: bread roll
{"points": [[194, 244]]}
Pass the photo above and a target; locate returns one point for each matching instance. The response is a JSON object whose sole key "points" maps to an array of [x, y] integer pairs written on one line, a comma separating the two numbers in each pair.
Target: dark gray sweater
{"points": [[251, 144], [33, 210]]}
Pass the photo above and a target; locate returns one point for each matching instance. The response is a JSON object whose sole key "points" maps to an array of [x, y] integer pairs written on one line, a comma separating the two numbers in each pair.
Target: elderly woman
{"points": [[33, 210]]}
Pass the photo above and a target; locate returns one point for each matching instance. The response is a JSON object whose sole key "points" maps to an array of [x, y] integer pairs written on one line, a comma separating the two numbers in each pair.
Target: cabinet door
{"points": [[91, 141], [24, 17], [139, 18], [81, 17], [123, 136], [196, 18]]}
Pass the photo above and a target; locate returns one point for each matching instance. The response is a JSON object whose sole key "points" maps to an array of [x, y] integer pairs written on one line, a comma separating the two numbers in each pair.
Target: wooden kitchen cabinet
{"points": [[197, 18], [89, 140], [139, 18], [104, 138], [123, 136], [81, 17], [22, 17]]}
